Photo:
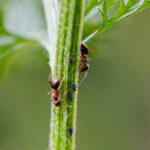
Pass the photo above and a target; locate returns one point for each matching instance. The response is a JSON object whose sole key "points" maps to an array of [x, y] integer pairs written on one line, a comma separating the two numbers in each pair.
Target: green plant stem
{"points": [[68, 43]]}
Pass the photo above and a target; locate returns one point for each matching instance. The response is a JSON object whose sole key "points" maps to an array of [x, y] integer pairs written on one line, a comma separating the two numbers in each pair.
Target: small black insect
{"points": [[70, 59], [70, 131], [74, 87], [70, 95]]}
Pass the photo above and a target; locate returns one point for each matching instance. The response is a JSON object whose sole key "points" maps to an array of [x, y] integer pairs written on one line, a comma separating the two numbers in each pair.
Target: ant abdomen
{"points": [[84, 49], [55, 83]]}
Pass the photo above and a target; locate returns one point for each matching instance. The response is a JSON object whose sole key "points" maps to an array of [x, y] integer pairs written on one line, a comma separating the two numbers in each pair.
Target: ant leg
{"points": [[49, 92], [61, 82], [83, 78]]}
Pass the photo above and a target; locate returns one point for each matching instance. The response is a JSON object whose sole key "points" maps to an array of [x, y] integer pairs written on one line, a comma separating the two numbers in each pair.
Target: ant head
{"points": [[55, 83], [84, 49]]}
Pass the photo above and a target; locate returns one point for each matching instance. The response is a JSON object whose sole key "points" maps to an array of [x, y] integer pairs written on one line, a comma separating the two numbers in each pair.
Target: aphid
{"points": [[70, 95], [70, 131], [70, 59], [55, 84], [74, 87]]}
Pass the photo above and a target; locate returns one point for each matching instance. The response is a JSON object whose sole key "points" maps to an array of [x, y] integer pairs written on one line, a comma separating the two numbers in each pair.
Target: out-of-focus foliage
{"points": [[21, 23], [23, 18], [110, 12]]}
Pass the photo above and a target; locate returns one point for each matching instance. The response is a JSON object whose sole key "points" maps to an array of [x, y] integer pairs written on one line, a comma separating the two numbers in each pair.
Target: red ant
{"points": [[55, 84], [84, 66], [84, 58]]}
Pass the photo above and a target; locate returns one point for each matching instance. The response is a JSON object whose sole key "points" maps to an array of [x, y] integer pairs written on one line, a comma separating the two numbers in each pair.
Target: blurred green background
{"points": [[114, 100]]}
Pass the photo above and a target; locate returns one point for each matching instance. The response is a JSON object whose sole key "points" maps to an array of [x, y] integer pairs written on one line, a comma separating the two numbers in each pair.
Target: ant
{"points": [[55, 84], [84, 66], [84, 58]]}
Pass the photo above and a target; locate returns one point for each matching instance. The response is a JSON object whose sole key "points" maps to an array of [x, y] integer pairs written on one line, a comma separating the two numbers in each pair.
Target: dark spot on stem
{"points": [[70, 95], [74, 87], [70, 131]]}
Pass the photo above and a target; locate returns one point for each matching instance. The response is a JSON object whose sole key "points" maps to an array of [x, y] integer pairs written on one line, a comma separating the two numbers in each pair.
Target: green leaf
{"points": [[25, 19], [111, 12], [92, 4], [10, 43], [22, 24], [51, 15]]}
